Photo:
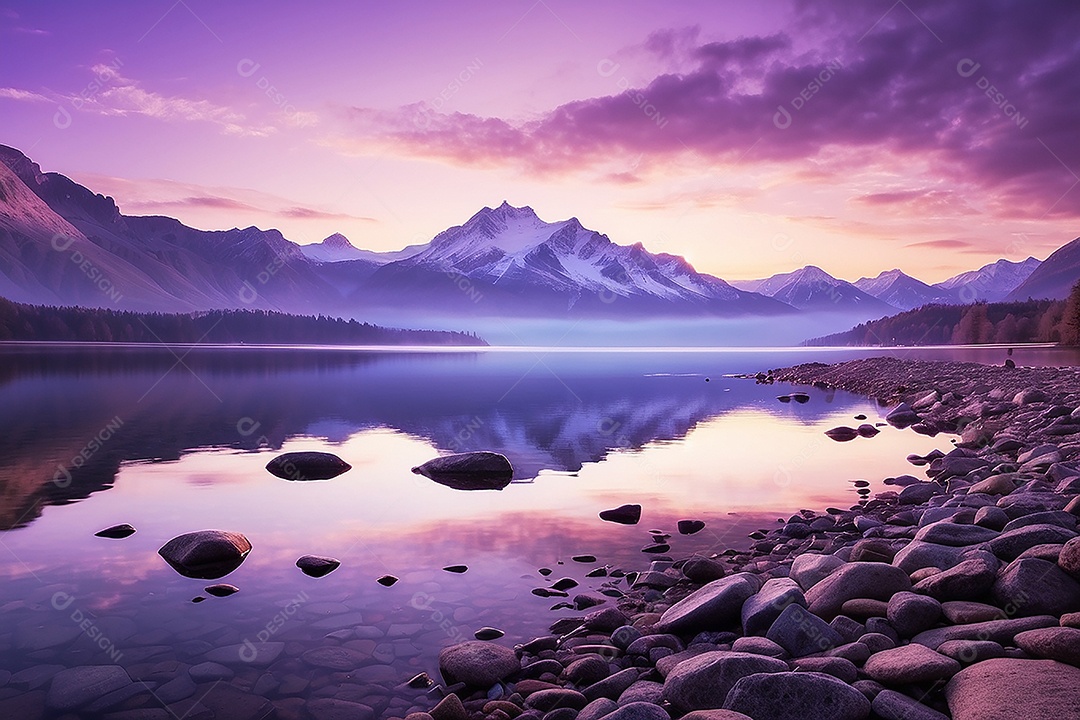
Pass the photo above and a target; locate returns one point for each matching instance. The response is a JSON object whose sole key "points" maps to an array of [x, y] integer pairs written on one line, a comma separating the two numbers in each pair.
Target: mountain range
{"points": [[60, 243]]}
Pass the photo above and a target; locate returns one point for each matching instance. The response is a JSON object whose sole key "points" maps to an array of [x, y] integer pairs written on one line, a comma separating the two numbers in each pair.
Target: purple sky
{"points": [[857, 136]]}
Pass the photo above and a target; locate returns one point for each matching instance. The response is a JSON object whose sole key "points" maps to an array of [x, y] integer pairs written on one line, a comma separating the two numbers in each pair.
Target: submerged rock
{"points": [[469, 471], [206, 554], [304, 466]]}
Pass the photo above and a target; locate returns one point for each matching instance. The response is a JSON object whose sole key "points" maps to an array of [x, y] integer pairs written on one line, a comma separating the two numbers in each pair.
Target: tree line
{"points": [[1053, 321], [19, 321]]}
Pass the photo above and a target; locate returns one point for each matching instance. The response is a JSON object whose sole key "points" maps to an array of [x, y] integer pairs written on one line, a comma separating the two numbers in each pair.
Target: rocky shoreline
{"points": [[957, 595]]}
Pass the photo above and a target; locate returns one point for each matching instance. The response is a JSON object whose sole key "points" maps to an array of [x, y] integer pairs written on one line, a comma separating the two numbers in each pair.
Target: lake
{"points": [[174, 440]]}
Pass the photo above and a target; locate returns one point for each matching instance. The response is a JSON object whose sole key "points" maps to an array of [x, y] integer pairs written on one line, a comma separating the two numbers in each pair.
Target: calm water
{"points": [[96, 436]]}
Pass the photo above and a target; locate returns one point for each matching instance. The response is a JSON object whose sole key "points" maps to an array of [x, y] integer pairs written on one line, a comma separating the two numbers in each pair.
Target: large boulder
{"points": [[999, 631], [908, 664], [759, 612], [910, 614], [876, 581], [715, 606], [801, 633], [477, 663], [206, 554], [1053, 643], [1009, 545], [809, 569], [971, 579], [1030, 586], [469, 471], [703, 682], [1011, 689], [955, 534], [797, 696]]}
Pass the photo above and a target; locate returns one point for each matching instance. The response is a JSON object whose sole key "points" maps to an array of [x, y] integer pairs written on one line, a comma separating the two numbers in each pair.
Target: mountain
{"points": [[991, 283], [62, 244], [1054, 278], [508, 259], [811, 288], [72, 246], [338, 248], [903, 291]]}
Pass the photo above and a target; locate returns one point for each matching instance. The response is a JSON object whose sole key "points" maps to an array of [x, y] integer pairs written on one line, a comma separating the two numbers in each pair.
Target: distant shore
{"points": [[953, 596]]}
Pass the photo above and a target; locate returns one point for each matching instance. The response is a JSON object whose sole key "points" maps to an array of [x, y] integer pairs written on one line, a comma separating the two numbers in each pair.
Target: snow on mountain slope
{"points": [[338, 248], [903, 291], [508, 247], [992, 282], [811, 288]]}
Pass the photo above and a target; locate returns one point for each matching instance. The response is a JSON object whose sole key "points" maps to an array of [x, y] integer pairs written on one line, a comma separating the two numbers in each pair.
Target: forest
{"points": [[76, 324], [1053, 321]]}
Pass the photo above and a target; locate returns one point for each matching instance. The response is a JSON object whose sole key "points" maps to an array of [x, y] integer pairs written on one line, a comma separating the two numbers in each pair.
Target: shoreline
{"points": [[957, 595]]}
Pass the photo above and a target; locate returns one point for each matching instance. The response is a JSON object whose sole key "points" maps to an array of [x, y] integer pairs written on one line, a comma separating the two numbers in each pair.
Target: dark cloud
{"points": [[984, 94]]}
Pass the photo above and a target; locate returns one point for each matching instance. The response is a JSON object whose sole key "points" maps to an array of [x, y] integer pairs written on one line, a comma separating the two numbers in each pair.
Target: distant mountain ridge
{"points": [[62, 244]]}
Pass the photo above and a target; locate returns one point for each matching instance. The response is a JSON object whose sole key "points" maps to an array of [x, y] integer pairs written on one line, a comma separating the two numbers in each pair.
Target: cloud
{"points": [[22, 95], [941, 244], [168, 196], [985, 96]]}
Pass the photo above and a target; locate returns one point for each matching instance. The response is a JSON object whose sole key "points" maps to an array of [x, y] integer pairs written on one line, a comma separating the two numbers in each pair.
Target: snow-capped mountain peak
{"points": [[993, 282], [901, 290]]}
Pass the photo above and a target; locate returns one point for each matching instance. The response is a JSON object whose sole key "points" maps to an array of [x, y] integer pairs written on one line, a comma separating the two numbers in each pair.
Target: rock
{"points": [[703, 682], [387, 580], [761, 610], [488, 633], [606, 620], [867, 431], [1011, 689], [1029, 396], [338, 658], [221, 590], [759, 646], [992, 517], [1011, 544], [78, 686], [902, 416], [876, 581], [116, 532], [912, 663], [1002, 484], [918, 494], [891, 705], [999, 631], [1069, 558], [469, 471], [209, 672], [702, 569], [642, 691], [547, 700], [910, 614], [971, 651], [961, 612], [315, 566], [305, 466], [800, 397], [715, 606], [587, 670], [1035, 587], [797, 696], [639, 711], [840, 668], [715, 715], [690, 527], [206, 554], [597, 709], [477, 664], [842, 433], [801, 632], [918, 554], [459, 569], [624, 514], [809, 569], [950, 533], [1052, 643], [612, 686], [968, 580], [450, 708]]}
